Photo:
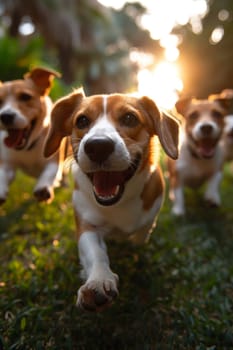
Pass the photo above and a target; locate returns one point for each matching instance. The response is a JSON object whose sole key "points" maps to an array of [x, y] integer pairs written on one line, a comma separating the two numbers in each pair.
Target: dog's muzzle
{"points": [[108, 186], [205, 138], [16, 138]]}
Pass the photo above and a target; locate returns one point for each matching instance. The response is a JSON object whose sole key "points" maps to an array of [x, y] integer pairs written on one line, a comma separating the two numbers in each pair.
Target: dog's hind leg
{"points": [[212, 196]]}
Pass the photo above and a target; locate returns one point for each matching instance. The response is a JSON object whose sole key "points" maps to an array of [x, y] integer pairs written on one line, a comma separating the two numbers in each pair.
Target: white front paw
{"points": [[178, 210], [3, 196], [213, 199], [95, 295]]}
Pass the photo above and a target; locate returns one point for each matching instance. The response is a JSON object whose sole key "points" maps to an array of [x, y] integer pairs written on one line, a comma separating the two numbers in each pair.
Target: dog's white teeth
{"points": [[105, 196], [117, 189]]}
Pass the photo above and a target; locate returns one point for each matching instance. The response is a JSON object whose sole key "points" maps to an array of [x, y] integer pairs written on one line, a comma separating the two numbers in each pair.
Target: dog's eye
{"points": [[130, 120], [82, 122], [24, 96], [193, 115], [216, 114]]}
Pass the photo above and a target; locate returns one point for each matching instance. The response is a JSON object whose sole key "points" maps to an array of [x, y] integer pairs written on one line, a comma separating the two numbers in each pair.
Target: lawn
{"points": [[176, 292]]}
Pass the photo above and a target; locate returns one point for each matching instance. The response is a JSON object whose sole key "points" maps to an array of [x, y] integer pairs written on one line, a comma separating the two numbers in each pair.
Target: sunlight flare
{"points": [[162, 84]]}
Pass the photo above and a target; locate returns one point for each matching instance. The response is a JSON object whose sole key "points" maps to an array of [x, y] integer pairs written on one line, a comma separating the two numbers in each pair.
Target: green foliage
{"points": [[95, 55], [175, 292], [16, 57], [21, 57]]}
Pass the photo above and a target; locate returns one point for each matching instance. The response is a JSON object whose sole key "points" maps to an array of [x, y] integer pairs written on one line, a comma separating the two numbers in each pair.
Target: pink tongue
{"points": [[207, 148], [14, 138], [106, 182], [206, 151]]}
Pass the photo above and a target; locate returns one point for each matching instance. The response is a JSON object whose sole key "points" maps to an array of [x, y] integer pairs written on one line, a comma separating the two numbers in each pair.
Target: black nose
{"points": [[206, 129], [99, 148], [7, 118]]}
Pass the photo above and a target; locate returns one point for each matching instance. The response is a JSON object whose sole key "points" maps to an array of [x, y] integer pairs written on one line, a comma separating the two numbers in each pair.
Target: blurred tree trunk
{"points": [[55, 21], [92, 43]]}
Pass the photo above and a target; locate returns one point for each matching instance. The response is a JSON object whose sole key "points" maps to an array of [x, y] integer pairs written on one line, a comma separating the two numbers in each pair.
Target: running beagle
{"points": [[119, 187], [201, 157], [24, 121]]}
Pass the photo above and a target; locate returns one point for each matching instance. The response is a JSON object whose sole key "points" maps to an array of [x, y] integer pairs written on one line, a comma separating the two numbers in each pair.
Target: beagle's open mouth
{"points": [[206, 147], [108, 186], [18, 138]]}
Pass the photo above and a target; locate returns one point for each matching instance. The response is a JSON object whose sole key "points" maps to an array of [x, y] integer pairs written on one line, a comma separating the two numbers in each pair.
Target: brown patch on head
{"points": [[153, 189], [21, 95], [84, 117], [131, 122], [204, 110], [201, 107]]}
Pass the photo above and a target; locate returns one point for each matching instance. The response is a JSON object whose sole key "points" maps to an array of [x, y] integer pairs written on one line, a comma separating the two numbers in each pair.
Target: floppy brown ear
{"points": [[225, 103], [224, 99], [42, 78], [61, 121], [182, 105], [165, 126], [168, 132], [227, 93]]}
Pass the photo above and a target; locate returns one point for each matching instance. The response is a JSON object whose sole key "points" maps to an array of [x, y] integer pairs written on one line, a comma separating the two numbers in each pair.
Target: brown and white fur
{"points": [[227, 138], [24, 121], [200, 158], [119, 188]]}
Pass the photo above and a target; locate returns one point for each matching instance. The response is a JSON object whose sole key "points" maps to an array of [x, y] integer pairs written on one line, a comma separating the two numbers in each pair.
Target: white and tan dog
{"points": [[119, 188], [24, 121], [227, 138], [201, 157]]}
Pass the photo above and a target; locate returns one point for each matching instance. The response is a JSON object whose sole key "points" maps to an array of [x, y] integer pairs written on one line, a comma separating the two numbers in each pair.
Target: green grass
{"points": [[176, 292]]}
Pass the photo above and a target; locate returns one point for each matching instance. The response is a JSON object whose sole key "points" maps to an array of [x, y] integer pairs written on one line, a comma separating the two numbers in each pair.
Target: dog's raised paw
{"points": [[178, 211], [211, 203], [2, 201], [97, 295], [43, 194]]}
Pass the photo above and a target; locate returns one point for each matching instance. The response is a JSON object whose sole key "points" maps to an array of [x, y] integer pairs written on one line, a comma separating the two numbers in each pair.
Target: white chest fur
{"points": [[125, 217], [194, 171]]}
